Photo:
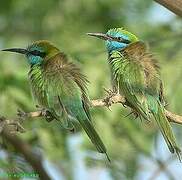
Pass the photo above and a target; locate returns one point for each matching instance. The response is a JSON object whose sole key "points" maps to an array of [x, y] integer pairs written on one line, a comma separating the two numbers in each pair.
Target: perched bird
{"points": [[59, 86], [135, 74]]}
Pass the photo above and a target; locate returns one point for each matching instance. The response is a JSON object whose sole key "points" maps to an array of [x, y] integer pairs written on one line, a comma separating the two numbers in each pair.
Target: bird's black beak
{"points": [[101, 36], [17, 50], [109, 38]]}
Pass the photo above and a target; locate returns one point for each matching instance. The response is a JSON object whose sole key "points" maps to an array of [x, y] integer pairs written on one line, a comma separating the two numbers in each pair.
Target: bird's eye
{"points": [[38, 53], [123, 40], [35, 52], [120, 38]]}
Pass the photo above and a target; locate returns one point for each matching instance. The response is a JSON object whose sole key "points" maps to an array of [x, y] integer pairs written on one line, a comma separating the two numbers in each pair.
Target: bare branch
{"points": [[173, 117], [115, 99], [120, 99], [173, 5]]}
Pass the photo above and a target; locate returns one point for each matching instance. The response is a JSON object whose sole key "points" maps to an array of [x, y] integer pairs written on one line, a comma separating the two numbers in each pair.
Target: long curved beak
{"points": [[17, 50], [101, 36], [109, 38]]}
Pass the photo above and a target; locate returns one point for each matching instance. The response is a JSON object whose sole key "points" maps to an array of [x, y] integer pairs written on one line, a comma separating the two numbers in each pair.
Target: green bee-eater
{"points": [[59, 86], [135, 74]]}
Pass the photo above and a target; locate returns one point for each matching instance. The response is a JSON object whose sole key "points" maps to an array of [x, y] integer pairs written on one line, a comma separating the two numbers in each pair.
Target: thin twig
{"points": [[173, 117], [120, 99], [115, 99]]}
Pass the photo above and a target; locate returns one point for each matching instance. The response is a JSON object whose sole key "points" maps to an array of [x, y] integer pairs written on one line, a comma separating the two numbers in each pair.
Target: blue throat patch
{"points": [[33, 59], [114, 45]]}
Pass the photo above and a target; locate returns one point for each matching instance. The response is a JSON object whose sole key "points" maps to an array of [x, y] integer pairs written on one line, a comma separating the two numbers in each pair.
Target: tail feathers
{"points": [[166, 130], [94, 137]]}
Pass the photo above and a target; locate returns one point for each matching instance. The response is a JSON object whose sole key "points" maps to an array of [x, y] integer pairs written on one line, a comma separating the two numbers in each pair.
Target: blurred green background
{"points": [[136, 148]]}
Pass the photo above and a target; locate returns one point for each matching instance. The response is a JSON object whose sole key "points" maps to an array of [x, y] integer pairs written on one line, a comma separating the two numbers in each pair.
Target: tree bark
{"points": [[173, 5]]}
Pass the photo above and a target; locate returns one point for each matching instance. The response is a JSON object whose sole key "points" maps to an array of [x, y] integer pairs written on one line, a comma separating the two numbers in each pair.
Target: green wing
{"points": [[143, 91], [44, 94], [63, 91], [131, 85], [58, 90]]}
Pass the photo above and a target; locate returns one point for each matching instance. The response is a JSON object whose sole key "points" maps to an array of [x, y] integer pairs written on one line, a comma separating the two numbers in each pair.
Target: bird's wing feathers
{"points": [[59, 86], [81, 82], [37, 85], [132, 85], [63, 79], [137, 74]]}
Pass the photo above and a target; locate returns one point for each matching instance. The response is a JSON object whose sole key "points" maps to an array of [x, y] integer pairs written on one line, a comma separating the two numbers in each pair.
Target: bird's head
{"points": [[37, 52], [116, 38]]}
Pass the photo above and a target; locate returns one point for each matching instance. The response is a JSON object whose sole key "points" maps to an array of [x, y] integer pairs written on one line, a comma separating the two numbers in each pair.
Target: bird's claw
{"points": [[109, 92], [108, 102], [108, 99], [47, 114]]}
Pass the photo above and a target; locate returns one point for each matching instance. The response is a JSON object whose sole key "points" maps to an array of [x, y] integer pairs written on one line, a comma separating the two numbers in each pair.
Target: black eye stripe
{"points": [[37, 53], [120, 39]]}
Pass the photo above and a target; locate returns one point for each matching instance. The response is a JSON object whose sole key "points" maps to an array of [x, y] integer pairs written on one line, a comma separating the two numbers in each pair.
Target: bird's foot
{"points": [[47, 114], [108, 99], [39, 113]]}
